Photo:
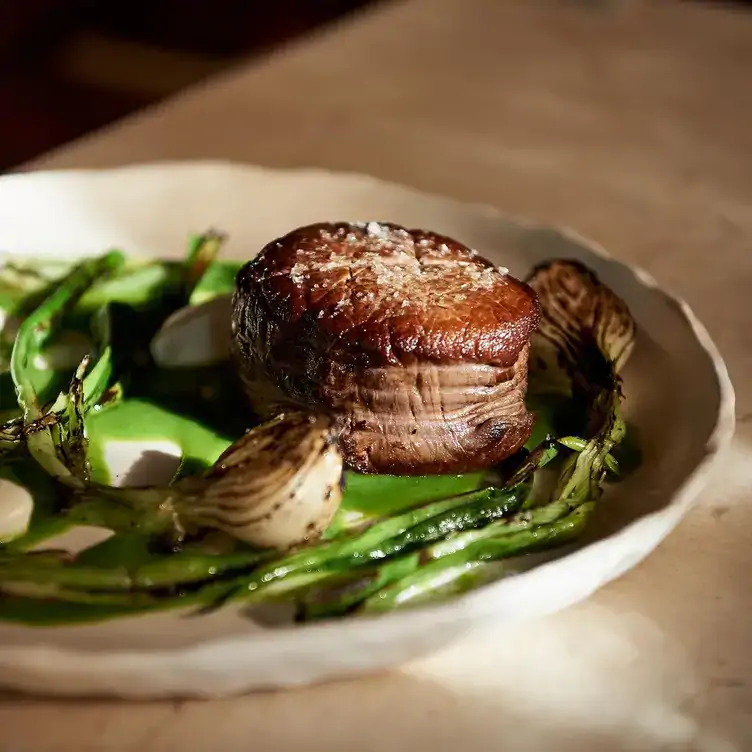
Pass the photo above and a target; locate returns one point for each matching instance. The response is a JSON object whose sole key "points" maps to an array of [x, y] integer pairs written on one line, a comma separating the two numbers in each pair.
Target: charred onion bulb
{"points": [[276, 487]]}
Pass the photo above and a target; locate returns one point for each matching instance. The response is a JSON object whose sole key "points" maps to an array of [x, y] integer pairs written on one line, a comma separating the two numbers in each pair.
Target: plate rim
{"points": [[468, 606]]}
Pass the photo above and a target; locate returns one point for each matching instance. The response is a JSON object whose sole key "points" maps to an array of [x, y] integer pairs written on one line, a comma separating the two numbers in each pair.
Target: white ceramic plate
{"points": [[678, 395]]}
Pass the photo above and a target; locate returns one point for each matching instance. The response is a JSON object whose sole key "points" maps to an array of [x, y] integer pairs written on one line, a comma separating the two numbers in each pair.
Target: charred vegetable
{"points": [[272, 497], [276, 487], [35, 424]]}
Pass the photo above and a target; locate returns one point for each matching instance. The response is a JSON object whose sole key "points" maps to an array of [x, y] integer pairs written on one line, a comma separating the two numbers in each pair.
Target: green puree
{"points": [[141, 421]]}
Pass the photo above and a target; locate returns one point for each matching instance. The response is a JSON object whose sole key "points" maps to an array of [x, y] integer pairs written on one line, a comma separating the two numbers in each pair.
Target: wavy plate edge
{"points": [[29, 668]]}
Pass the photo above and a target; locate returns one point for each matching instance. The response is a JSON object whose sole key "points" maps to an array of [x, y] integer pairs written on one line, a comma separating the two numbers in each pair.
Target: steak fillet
{"points": [[417, 345]]}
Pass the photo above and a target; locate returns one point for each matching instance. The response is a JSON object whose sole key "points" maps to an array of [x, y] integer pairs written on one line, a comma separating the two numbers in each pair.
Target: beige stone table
{"points": [[631, 122]]}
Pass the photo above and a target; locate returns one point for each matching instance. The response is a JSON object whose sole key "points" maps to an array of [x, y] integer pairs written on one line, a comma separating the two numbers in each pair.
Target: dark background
{"points": [[70, 66]]}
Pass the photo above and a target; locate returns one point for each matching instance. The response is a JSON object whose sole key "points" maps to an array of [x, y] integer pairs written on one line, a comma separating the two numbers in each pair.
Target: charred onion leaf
{"points": [[34, 332], [585, 321], [70, 435], [276, 487], [65, 456], [591, 332], [585, 330]]}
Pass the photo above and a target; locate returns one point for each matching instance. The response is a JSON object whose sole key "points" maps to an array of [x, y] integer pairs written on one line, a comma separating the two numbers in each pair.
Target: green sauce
{"points": [[139, 421]]}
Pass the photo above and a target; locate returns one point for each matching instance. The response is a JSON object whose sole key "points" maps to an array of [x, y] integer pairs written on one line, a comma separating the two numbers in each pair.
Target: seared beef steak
{"points": [[416, 344]]}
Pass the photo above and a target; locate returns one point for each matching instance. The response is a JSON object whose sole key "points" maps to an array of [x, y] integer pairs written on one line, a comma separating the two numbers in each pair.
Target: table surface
{"points": [[631, 122]]}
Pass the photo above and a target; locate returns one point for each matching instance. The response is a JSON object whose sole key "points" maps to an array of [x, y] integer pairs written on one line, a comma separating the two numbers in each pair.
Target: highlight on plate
{"points": [[368, 418]]}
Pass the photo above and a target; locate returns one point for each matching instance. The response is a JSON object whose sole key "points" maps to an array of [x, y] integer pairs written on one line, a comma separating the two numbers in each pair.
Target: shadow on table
{"points": [[577, 682]]}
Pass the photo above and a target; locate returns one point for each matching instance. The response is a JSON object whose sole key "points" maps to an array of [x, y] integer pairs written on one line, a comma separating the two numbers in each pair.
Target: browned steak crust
{"points": [[418, 345]]}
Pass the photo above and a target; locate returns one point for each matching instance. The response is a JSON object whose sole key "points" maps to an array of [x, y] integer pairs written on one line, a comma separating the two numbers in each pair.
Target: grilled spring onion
{"points": [[259, 576], [35, 331], [276, 487]]}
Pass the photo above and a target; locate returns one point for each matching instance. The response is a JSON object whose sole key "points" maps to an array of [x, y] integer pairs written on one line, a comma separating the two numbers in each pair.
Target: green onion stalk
{"points": [[202, 254], [267, 575], [33, 334]]}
